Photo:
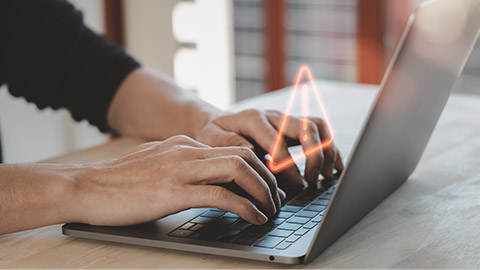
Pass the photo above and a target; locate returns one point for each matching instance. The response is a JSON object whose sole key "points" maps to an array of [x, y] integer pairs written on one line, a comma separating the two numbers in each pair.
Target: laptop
{"points": [[431, 54]]}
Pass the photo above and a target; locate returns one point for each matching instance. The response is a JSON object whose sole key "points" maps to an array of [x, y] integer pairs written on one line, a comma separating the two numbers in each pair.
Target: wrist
{"points": [[69, 198], [201, 116], [82, 200]]}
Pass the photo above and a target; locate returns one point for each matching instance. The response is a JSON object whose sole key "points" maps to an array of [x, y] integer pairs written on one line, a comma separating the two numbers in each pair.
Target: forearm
{"points": [[150, 105], [35, 195]]}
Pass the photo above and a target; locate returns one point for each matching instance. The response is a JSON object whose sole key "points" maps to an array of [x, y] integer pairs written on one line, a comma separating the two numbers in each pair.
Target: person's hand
{"points": [[161, 178], [231, 130]]}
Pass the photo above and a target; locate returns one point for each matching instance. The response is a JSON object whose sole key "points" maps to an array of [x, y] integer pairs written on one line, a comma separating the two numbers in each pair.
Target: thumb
{"points": [[228, 138]]}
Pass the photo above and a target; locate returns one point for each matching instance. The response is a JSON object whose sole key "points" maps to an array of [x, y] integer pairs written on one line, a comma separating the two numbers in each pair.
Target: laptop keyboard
{"points": [[301, 213]]}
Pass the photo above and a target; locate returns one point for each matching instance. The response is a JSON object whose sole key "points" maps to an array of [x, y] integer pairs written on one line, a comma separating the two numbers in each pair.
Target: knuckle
{"points": [[321, 122], [217, 194], [312, 125], [237, 162], [181, 139], [266, 192], [254, 113], [244, 205], [274, 112], [246, 153]]}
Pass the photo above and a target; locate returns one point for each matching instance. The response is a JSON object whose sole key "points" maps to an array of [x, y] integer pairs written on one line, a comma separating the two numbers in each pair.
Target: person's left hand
{"points": [[261, 126]]}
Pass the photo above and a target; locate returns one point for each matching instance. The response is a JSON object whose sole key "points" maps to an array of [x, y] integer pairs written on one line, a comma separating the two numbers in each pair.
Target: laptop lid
{"points": [[431, 54]]}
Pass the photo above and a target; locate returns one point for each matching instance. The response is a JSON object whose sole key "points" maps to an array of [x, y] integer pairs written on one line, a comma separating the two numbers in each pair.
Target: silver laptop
{"points": [[430, 56]]}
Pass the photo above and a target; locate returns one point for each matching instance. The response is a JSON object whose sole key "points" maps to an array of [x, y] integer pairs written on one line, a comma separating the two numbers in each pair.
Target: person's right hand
{"points": [[162, 178]]}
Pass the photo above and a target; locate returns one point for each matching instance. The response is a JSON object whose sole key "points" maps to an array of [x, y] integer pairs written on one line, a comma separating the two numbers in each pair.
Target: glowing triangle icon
{"points": [[303, 72]]}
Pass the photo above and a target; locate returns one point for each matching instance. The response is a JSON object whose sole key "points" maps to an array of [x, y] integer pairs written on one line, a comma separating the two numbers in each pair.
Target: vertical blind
{"points": [[320, 33]]}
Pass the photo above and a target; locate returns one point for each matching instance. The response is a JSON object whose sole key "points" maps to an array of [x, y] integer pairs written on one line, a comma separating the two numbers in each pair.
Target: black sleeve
{"points": [[48, 56]]}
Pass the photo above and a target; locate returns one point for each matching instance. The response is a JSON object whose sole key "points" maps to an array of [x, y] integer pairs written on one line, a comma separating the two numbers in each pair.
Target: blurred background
{"points": [[226, 51]]}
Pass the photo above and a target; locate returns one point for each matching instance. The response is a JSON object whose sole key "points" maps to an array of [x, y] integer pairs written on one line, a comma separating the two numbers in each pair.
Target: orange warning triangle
{"points": [[303, 72]]}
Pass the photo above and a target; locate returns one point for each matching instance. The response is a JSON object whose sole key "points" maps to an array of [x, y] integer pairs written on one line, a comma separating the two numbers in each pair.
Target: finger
{"points": [[260, 130], [339, 162], [256, 126], [250, 157], [219, 197], [227, 138], [282, 193], [307, 133], [232, 168], [329, 152]]}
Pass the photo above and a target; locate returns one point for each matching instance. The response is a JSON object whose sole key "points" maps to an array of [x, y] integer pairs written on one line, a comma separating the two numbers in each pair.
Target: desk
{"points": [[432, 221]]}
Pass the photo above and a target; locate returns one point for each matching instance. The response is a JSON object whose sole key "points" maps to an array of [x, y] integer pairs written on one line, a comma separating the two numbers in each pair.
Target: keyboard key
{"points": [[228, 236], [310, 195], [282, 214], [187, 226], [292, 192], [280, 233], [227, 220], [241, 225], [212, 214], [310, 225], [315, 208], [211, 230], [203, 220], [320, 201], [270, 225], [230, 215], [292, 238], [196, 227], [307, 214], [180, 233], [246, 241], [326, 196], [290, 208], [269, 242], [217, 210], [278, 221], [298, 220], [317, 219], [289, 226], [298, 203], [258, 230], [301, 232], [284, 245]]}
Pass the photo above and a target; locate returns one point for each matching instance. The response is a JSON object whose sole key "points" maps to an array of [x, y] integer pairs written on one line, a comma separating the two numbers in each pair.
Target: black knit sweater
{"points": [[49, 57]]}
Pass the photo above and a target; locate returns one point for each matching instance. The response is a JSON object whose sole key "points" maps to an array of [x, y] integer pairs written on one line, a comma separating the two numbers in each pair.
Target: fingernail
{"points": [[261, 218], [304, 183]]}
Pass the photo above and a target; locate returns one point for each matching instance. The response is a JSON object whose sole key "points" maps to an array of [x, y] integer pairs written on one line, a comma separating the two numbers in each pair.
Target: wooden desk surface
{"points": [[432, 221]]}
